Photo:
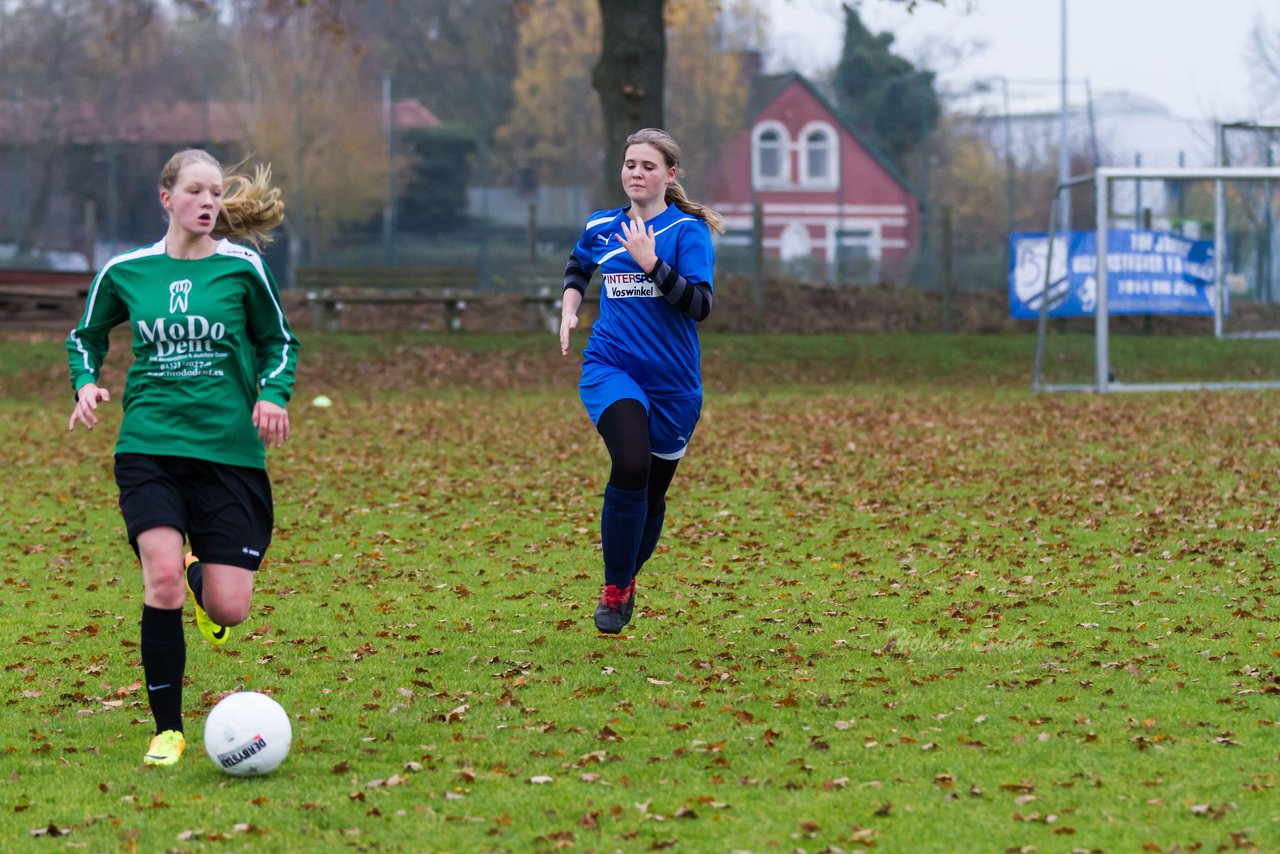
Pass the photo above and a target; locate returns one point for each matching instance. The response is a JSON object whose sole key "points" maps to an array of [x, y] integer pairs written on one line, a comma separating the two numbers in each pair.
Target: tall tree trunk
{"points": [[41, 189], [628, 77]]}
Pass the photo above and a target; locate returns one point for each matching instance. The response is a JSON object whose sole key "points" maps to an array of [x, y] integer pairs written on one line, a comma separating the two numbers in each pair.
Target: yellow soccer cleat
{"points": [[165, 749], [215, 634]]}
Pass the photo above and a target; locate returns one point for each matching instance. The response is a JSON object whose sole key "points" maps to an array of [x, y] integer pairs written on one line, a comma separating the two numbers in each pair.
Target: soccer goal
{"points": [[1244, 144], [1160, 247]]}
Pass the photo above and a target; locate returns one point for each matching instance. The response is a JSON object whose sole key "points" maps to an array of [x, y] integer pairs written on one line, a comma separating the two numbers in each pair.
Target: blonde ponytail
{"points": [[251, 207], [676, 196]]}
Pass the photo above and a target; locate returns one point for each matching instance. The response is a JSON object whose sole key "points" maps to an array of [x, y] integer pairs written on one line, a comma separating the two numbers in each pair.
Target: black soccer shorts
{"points": [[225, 511]]}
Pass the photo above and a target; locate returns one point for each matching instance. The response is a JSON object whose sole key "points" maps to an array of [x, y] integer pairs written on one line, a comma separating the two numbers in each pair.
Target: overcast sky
{"points": [[1190, 55]]}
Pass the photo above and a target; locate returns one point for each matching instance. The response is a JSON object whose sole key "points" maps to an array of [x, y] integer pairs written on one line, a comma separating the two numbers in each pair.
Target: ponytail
{"points": [[251, 207], [676, 196]]}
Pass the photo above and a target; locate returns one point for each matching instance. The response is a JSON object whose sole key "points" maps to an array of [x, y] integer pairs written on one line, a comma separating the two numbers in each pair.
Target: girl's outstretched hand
{"points": [[86, 412], [568, 323]]}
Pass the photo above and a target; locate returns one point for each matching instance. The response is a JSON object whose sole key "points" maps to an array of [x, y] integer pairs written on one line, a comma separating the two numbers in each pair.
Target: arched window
{"points": [[819, 164], [770, 161]]}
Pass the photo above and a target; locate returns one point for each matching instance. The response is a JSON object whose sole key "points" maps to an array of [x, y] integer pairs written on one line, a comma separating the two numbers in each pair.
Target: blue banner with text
{"points": [[1148, 272]]}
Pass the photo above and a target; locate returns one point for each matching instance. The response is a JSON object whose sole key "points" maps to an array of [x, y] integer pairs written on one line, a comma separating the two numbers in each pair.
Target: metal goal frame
{"points": [[1102, 178]]}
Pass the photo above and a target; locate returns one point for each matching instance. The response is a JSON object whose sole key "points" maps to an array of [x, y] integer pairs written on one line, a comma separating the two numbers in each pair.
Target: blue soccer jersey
{"points": [[638, 330]]}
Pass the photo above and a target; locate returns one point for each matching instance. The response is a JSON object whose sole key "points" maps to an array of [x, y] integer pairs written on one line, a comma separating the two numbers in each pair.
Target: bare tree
{"points": [[458, 57], [1265, 53], [315, 117]]}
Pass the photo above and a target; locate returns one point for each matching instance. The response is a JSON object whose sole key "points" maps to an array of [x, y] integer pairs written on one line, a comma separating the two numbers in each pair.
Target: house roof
{"points": [[766, 88], [412, 113]]}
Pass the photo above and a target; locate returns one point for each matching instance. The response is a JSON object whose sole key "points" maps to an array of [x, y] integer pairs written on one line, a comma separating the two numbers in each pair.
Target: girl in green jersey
{"points": [[213, 371]]}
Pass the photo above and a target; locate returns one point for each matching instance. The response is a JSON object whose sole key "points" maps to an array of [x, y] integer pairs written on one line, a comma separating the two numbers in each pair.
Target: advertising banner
{"points": [[1148, 272]]}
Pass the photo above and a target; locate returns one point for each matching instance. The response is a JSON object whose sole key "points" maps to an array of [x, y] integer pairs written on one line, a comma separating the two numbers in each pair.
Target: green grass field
{"points": [[902, 605]]}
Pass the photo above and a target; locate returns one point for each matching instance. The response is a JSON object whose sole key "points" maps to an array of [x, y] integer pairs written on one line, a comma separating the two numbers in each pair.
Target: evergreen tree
{"points": [[434, 198], [887, 97]]}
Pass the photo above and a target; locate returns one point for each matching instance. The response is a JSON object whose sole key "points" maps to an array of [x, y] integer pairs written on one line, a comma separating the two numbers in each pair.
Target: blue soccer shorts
{"points": [[671, 419]]}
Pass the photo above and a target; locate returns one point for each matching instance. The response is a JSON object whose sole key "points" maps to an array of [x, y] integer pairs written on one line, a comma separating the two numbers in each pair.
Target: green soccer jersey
{"points": [[209, 340]]}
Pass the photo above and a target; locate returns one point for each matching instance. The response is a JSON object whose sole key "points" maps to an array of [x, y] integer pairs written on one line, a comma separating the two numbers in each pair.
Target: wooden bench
{"points": [[543, 299], [331, 289], [42, 298], [385, 278], [327, 305]]}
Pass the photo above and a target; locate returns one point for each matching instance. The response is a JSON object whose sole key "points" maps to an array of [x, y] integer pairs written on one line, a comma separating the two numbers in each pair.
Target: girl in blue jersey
{"points": [[641, 380]]}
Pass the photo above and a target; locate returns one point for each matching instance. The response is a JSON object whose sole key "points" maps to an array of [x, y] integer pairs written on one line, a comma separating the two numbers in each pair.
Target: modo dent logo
{"points": [[192, 334], [178, 293]]}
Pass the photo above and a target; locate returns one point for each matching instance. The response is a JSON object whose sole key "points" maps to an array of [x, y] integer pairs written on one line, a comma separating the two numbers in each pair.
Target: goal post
{"points": [[1104, 180]]}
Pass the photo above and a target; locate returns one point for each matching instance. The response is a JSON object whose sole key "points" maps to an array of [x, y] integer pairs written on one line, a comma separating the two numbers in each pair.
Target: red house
{"points": [[833, 206]]}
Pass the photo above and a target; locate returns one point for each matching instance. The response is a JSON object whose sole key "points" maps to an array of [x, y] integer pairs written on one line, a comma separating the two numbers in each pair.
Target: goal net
{"points": [[1194, 244]]}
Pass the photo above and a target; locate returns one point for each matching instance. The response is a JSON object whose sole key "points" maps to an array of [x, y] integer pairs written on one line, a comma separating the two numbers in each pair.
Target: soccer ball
{"points": [[247, 734]]}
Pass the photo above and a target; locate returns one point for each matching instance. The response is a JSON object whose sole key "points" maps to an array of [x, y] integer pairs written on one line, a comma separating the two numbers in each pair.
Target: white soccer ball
{"points": [[247, 734]]}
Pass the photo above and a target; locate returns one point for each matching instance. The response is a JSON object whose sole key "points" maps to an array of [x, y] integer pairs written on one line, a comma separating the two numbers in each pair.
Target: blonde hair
{"points": [[670, 150], [251, 207]]}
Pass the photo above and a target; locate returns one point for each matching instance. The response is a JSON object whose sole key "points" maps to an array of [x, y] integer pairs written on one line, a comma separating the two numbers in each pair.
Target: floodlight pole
{"points": [[1010, 198], [1219, 234], [1100, 318], [1064, 157]]}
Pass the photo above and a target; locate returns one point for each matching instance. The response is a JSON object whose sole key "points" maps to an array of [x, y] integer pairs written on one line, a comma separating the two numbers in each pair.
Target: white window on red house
{"points": [[770, 164], [818, 156]]}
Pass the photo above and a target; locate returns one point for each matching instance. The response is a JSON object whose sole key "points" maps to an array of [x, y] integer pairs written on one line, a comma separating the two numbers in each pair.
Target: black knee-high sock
{"points": [[621, 524], [661, 471], [164, 660], [195, 580], [649, 539]]}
